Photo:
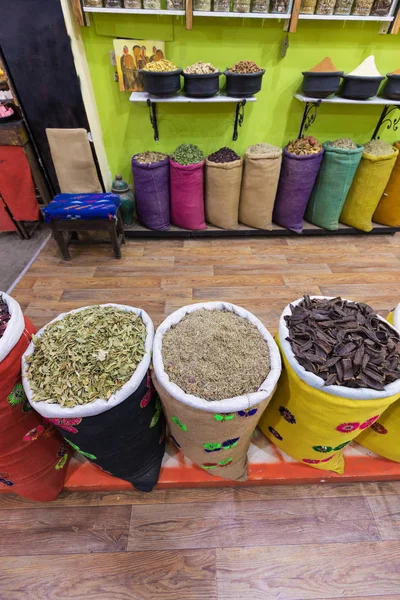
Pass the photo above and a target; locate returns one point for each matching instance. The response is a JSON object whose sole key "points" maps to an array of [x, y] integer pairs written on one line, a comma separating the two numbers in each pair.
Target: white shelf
{"points": [[181, 13], [221, 98], [339, 100], [343, 18]]}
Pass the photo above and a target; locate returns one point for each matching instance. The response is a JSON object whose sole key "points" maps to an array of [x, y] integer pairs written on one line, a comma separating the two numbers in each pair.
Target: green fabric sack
{"points": [[332, 185]]}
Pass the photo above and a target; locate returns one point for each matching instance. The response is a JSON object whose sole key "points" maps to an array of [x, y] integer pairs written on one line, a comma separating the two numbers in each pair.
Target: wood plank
{"points": [[222, 281], [88, 283], [268, 522], [257, 269], [343, 278], [126, 295], [309, 572], [226, 494], [358, 291], [185, 575], [156, 250], [64, 531], [387, 516], [295, 16], [238, 293], [387, 258], [162, 270]]}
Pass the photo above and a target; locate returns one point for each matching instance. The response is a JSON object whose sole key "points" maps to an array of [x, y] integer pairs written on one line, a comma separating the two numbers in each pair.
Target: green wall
{"points": [[276, 115]]}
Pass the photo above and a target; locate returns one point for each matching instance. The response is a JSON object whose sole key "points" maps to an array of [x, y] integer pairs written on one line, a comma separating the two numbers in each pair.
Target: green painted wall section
{"points": [[276, 115]]}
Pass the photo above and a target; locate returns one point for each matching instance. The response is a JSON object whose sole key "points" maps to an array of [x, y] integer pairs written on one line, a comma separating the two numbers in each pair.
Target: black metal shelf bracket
{"points": [[153, 118], [386, 118], [309, 116], [239, 118]]}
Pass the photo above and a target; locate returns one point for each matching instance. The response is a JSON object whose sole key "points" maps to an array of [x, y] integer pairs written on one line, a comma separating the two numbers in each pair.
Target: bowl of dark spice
{"points": [[391, 88], [215, 368], [201, 80], [161, 78], [322, 80], [343, 343], [244, 79], [4, 316]]}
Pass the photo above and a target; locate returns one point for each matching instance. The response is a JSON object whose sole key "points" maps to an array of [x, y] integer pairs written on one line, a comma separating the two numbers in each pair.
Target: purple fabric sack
{"points": [[298, 175], [151, 183]]}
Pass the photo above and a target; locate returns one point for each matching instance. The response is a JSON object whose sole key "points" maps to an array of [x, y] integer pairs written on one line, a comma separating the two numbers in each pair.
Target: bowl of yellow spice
{"points": [[161, 78]]}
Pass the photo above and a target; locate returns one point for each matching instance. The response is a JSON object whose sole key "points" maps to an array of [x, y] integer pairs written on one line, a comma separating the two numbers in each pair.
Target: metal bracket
{"points": [[386, 118], [309, 116], [239, 118], [153, 117]]}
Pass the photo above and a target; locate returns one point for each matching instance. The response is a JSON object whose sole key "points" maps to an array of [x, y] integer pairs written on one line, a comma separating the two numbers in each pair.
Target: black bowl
{"points": [[321, 85], [163, 83], [198, 85], [391, 88], [360, 88], [243, 85]]}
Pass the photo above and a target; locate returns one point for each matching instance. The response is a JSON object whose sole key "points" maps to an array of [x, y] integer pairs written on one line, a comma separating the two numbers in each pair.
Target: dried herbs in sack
{"points": [[87, 372], [33, 457], [325, 342], [339, 165], [151, 180], [383, 435], [187, 187], [223, 177], [368, 185], [300, 165], [215, 433], [388, 209], [262, 166]]}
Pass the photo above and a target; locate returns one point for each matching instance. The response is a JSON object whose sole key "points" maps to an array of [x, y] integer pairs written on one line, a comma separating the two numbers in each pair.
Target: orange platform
{"points": [[267, 466]]}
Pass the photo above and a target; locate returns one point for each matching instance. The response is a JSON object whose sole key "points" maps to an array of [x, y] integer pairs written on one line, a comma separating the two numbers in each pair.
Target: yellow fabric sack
{"points": [[366, 190], [313, 425], [383, 437], [388, 211]]}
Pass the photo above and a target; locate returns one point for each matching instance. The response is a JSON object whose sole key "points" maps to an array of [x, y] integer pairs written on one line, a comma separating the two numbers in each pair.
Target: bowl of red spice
{"points": [[322, 80], [244, 79]]}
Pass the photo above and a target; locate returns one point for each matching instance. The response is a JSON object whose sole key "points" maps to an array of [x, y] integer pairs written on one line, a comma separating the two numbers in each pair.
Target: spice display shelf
{"points": [[138, 230], [344, 18], [152, 102], [339, 100], [181, 13]]}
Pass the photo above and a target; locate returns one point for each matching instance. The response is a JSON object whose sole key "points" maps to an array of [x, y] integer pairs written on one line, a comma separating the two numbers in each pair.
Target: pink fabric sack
{"points": [[187, 195]]}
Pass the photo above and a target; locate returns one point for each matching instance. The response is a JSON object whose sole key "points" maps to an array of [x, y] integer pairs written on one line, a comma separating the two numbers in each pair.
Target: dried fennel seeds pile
{"points": [[344, 342], [215, 354], [85, 356]]}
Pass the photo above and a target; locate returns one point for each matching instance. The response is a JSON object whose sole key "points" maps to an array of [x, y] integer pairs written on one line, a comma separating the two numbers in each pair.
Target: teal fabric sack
{"points": [[332, 185]]}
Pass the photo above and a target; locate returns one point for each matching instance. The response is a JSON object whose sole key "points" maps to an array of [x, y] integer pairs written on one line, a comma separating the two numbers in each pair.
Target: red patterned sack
{"points": [[33, 457]]}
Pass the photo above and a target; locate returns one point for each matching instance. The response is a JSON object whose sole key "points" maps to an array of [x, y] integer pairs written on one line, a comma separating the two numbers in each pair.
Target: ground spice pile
{"points": [[245, 66], [215, 354], [345, 143], [224, 155], [146, 158], [304, 146], [86, 355], [188, 154], [160, 66], [397, 72], [262, 148], [378, 148], [344, 342], [4, 317], [201, 68], [325, 66]]}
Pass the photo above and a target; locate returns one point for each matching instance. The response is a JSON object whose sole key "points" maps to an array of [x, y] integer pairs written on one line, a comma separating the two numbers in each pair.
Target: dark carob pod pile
{"points": [[344, 342], [224, 155], [4, 317]]}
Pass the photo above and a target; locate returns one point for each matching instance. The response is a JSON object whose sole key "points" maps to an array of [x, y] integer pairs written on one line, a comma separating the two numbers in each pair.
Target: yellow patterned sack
{"points": [[388, 211], [368, 185], [313, 422], [383, 437]]}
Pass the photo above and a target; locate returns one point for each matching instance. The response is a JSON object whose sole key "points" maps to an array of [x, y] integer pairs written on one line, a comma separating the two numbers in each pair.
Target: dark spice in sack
{"points": [[4, 317], [297, 178], [223, 155], [151, 181], [345, 343]]}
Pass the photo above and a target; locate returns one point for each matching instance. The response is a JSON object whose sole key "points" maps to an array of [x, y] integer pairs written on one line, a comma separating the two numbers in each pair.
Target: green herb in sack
{"points": [[187, 154], [85, 356]]}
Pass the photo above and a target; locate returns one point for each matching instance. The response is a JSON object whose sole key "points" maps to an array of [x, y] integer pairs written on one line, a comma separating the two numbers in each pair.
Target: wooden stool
{"points": [[71, 213], [114, 228]]}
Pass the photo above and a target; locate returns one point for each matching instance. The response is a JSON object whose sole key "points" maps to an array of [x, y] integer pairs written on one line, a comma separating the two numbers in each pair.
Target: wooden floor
{"points": [[260, 543]]}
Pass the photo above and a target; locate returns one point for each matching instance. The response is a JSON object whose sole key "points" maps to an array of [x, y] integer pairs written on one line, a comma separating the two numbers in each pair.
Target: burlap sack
{"points": [[214, 435], [259, 185], [223, 181]]}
